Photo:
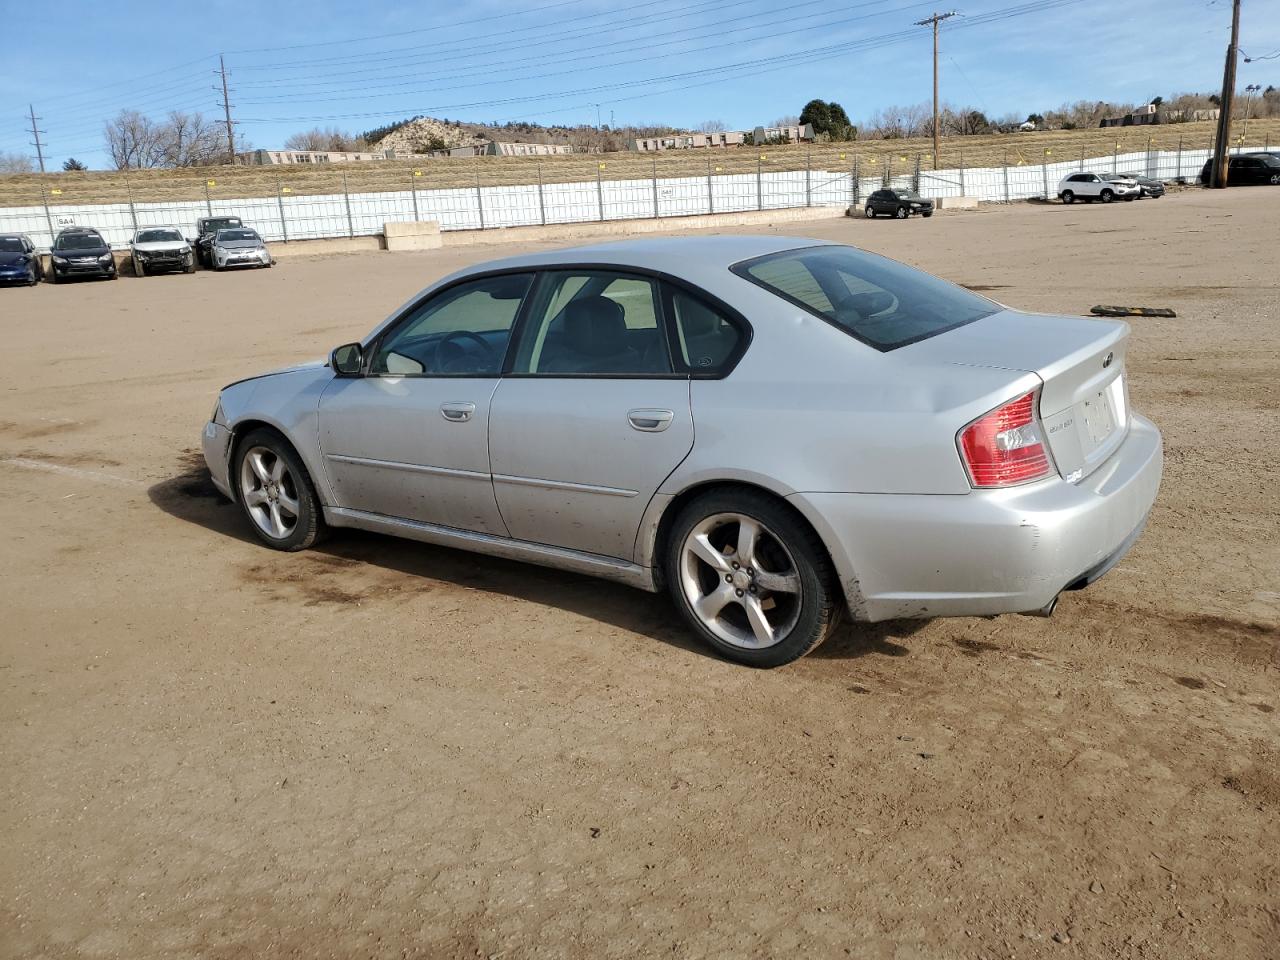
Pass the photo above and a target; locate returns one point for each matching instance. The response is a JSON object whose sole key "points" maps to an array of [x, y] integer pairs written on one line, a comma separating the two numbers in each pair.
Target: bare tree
{"points": [[15, 163], [322, 139], [790, 120], [189, 140], [712, 126]]}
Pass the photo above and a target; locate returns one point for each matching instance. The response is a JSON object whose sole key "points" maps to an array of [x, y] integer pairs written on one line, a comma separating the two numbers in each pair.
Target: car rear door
{"points": [[591, 419]]}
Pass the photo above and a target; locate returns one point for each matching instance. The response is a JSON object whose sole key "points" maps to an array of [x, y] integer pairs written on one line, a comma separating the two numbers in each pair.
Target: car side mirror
{"points": [[347, 360]]}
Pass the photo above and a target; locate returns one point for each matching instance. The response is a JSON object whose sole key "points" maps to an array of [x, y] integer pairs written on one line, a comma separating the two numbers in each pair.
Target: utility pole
{"points": [[1224, 108], [226, 111], [1250, 90], [35, 133], [933, 21]]}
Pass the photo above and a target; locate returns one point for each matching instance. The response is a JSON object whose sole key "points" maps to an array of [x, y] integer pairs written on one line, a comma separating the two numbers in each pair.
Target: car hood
{"points": [[157, 246], [295, 368]]}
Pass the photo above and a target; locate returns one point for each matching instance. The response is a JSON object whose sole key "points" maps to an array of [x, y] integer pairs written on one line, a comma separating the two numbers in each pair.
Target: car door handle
{"points": [[457, 411], [650, 421]]}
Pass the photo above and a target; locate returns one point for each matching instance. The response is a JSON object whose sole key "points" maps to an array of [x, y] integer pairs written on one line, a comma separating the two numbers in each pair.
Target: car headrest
{"points": [[697, 320], [595, 326]]}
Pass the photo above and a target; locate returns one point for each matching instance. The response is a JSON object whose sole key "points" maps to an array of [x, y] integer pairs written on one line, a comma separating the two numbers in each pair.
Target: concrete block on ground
{"points": [[413, 235], [955, 203]]}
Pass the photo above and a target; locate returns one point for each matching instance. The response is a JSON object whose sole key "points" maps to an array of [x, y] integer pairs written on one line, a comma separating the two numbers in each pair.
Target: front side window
{"points": [[462, 331], [594, 322], [881, 302]]}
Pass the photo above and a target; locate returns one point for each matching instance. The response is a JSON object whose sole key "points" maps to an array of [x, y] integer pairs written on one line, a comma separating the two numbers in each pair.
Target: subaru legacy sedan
{"points": [[777, 431]]}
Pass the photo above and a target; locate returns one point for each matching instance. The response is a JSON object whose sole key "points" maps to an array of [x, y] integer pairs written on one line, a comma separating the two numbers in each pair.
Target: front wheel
{"points": [[1106, 196], [901, 213], [1068, 196], [926, 213], [276, 493], [751, 578], [871, 214]]}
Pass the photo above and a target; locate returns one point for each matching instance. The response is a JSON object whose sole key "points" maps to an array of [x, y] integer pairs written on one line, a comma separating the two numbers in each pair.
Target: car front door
{"points": [[409, 437], [592, 417]]}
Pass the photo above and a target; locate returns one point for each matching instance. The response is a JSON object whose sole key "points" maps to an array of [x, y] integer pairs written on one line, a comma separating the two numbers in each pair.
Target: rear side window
{"points": [[881, 302], [706, 339]]}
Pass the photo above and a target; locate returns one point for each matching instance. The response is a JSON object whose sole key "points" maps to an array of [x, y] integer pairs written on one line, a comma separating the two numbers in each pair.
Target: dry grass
{"points": [[427, 174]]}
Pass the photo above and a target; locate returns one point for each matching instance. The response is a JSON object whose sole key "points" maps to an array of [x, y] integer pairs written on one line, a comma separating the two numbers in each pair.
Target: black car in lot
{"points": [[81, 252], [1247, 169], [1150, 188], [19, 262], [206, 229], [898, 203]]}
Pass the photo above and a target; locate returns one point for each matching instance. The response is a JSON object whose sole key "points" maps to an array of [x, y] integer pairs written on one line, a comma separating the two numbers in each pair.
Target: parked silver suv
{"points": [[1093, 186]]}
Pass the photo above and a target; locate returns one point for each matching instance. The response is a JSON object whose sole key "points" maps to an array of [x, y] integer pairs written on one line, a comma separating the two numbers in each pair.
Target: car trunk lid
{"points": [[1084, 403]]}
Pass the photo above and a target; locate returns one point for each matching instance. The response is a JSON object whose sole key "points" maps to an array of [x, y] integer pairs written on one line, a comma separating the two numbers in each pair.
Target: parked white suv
{"points": [[1093, 186]]}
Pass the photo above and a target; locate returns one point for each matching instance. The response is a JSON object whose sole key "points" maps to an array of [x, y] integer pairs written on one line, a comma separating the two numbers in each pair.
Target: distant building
{"points": [[795, 133], [1152, 113], [504, 148], [262, 158], [690, 141]]}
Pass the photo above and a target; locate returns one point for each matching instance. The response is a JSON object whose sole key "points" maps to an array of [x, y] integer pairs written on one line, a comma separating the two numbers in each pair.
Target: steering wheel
{"points": [[442, 361]]}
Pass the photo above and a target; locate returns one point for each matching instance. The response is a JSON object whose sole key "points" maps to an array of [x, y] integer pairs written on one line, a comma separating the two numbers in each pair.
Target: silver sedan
{"points": [[778, 431]]}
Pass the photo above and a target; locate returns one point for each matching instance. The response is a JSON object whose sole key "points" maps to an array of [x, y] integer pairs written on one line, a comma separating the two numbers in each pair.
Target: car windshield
{"points": [[237, 235], [11, 245], [158, 236], [879, 301], [221, 223], [78, 241]]}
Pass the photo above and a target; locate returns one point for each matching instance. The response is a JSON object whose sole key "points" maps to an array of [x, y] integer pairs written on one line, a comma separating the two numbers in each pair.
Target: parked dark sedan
{"points": [[1247, 169], [898, 203], [81, 252], [19, 261], [1149, 187]]}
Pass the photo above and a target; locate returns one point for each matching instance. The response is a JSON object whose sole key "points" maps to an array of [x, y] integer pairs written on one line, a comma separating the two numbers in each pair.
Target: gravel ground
{"points": [[381, 749]]}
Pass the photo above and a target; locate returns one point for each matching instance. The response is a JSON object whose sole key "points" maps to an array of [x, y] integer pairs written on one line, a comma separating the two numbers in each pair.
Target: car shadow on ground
{"points": [[189, 494]]}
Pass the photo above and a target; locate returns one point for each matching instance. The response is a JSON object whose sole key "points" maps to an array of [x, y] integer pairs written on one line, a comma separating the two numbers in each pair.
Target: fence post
{"points": [[962, 189], [853, 182], [542, 205], [759, 191], [1044, 173], [413, 190], [133, 213], [479, 199], [915, 177], [600, 190], [808, 177], [888, 172], [208, 201], [711, 196], [656, 213], [1115, 157], [346, 195], [284, 229], [1005, 167], [1178, 175]]}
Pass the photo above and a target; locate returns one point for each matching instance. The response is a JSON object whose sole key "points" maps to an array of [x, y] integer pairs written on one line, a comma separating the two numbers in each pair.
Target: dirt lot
{"points": [[380, 749]]}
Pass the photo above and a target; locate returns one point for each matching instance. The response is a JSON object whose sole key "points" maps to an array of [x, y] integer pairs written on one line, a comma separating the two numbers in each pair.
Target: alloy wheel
{"points": [[740, 581], [269, 492]]}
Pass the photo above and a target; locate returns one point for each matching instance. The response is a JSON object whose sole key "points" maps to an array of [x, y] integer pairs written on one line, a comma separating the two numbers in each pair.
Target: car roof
{"points": [[681, 256]]}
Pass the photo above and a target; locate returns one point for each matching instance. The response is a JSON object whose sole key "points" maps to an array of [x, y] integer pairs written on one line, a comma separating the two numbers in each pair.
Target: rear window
{"points": [[881, 302]]}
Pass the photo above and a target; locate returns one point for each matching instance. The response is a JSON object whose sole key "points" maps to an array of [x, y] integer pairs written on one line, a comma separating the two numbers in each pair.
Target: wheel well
{"points": [[685, 496]]}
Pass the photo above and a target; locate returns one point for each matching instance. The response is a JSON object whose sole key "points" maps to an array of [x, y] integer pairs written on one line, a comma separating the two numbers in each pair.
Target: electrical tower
{"points": [[933, 21]]}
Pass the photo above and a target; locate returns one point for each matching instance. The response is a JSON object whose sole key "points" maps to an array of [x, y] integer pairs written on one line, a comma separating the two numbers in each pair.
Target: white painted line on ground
{"points": [[95, 475]]}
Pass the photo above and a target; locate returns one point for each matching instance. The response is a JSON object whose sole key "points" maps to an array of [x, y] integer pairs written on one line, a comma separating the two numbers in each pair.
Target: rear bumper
{"points": [[987, 552]]}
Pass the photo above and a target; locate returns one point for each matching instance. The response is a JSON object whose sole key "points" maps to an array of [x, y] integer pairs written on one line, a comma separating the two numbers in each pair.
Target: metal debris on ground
{"points": [[1106, 311]]}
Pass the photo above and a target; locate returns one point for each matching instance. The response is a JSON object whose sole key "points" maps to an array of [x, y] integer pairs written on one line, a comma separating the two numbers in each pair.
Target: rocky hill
{"points": [[423, 134]]}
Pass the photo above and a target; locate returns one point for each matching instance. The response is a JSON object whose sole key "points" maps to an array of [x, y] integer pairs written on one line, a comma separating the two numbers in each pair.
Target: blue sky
{"points": [[296, 65]]}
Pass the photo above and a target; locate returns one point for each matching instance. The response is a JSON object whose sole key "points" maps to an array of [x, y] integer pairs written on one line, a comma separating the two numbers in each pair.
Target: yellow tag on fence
{"points": [[602, 166], [56, 192], [286, 190], [417, 173], [717, 169], [211, 183], [763, 157]]}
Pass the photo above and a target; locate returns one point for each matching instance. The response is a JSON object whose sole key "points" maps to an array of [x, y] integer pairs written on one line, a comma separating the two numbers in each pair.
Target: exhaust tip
{"points": [[1045, 611]]}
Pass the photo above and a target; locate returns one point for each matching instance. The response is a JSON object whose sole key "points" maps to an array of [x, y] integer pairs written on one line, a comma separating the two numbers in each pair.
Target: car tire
{"points": [[1068, 196], [926, 213], [1275, 179], [871, 214], [901, 213], [53, 276], [190, 267], [138, 269], [1106, 196], [270, 484], [803, 608]]}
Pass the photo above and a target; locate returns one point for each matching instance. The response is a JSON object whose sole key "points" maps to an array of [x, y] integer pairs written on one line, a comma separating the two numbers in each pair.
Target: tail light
{"points": [[1006, 446]]}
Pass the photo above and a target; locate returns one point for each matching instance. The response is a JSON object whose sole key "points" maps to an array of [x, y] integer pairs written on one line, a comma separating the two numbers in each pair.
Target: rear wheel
{"points": [[1068, 196], [751, 578], [276, 493], [901, 213], [1106, 196]]}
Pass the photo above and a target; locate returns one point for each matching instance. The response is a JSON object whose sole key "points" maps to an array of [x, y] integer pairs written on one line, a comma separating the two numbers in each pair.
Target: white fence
{"points": [[288, 217]]}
